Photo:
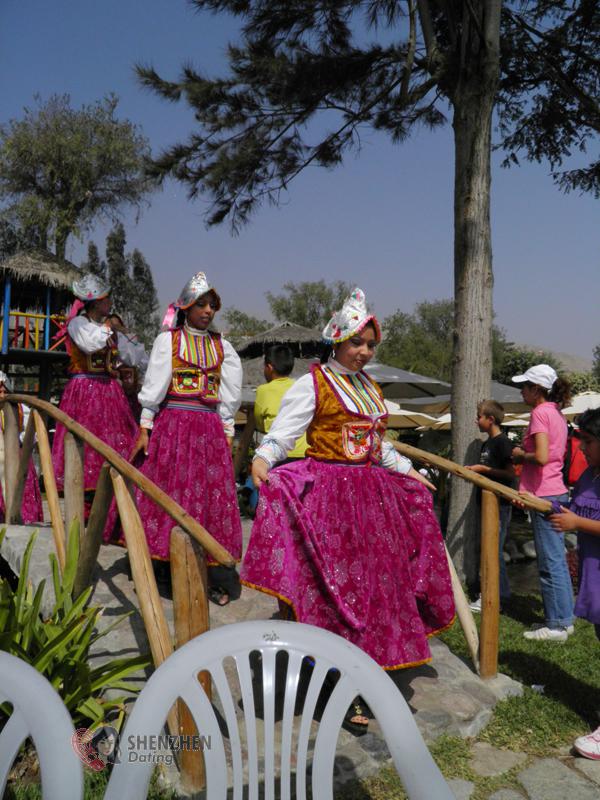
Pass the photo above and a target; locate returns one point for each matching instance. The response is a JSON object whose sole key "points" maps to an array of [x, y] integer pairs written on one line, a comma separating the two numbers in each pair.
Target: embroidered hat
{"points": [[541, 375], [89, 288], [350, 319], [194, 288]]}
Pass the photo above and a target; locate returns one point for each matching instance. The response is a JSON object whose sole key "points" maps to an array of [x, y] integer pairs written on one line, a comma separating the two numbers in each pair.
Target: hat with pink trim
{"points": [[350, 319], [89, 288]]}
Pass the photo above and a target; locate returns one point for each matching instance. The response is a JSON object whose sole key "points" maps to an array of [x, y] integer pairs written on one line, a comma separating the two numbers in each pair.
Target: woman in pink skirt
{"points": [[191, 392], [31, 507], [97, 345], [347, 538]]}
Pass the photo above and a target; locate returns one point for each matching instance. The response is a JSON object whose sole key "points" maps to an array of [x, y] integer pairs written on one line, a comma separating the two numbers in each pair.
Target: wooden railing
{"points": [[483, 646], [189, 540]]}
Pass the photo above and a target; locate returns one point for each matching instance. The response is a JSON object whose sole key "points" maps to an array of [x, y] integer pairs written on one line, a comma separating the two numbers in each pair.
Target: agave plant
{"points": [[59, 646]]}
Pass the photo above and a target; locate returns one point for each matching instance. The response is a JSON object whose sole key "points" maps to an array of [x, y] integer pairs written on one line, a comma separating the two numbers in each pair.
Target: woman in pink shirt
{"points": [[542, 457]]}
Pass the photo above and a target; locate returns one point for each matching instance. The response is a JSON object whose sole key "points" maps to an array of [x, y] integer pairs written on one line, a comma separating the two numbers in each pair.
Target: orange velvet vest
{"points": [[337, 434], [102, 362], [196, 367]]}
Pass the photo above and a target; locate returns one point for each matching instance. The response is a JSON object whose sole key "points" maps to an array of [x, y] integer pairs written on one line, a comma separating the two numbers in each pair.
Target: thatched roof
{"points": [[42, 266], [284, 333]]}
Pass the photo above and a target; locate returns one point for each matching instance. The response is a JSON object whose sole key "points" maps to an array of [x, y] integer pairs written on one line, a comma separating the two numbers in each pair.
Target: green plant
{"points": [[60, 646]]}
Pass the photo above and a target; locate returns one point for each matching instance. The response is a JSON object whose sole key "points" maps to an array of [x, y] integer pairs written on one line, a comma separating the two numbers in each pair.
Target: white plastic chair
{"points": [[359, 674], [39, 713]]}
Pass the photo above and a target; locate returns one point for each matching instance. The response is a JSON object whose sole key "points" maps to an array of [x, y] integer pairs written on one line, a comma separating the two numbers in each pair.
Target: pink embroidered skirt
{"points": [[356, 550], [31, 507], [189, 458], [100, 405]]}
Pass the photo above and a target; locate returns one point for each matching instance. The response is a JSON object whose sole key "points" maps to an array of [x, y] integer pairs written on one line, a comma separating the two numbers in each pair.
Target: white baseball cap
{"points": [[541, 375]]}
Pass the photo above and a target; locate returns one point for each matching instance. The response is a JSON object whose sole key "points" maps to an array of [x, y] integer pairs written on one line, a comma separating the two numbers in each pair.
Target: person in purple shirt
{"points": [[542, 457], [584, 517]]}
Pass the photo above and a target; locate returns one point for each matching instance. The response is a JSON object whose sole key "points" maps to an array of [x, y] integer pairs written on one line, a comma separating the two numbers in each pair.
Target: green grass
{"points": [[94, 789]]}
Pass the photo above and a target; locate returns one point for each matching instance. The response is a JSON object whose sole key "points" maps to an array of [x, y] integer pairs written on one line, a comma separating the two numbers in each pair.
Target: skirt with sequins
{"points": [[356, 550], [31, 507], [190, 459], [99, 404]]}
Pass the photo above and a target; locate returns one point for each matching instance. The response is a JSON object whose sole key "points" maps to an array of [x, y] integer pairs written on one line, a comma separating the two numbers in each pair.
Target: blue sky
{"points": [[383, 220]]}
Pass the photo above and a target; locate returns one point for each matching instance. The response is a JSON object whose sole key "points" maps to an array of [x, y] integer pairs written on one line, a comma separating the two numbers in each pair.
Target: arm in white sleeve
{"points": [[391, 459], [230, 388], [88, 336], [295, 415], [157, 379], [132, 352]]}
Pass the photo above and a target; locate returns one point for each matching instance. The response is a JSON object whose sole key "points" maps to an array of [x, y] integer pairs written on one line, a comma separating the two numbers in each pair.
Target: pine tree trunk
{"points": [[473, 103]]}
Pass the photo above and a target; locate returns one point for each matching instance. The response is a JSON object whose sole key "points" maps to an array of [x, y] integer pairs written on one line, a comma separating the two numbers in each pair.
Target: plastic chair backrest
{"points": [[358, 674], [38, 713]]}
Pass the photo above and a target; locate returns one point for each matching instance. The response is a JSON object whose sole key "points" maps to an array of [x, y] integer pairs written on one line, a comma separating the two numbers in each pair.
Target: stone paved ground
{"points": [[445, 695]]}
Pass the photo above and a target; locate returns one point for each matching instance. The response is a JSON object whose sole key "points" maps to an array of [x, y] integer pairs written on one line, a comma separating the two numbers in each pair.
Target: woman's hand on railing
{"points": [[526, 496], [421, 478], [142, 443]]}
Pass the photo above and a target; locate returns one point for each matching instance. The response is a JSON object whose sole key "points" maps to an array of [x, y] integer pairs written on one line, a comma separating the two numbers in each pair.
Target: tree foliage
{"points": [[308, 303], [388, 64], [422, 342], [596, 363], [131, 283], [61, 169], [93, 264], [240, 324]]}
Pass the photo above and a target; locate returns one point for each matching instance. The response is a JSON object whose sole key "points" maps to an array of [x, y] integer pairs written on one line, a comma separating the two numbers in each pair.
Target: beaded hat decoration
{"points": [[194, 288], [90, 288], [350, 319]]}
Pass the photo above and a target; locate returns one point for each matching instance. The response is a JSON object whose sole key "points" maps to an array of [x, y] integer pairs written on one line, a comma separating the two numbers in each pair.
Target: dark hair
{"points": [[281, 358], [560, 393], [105, 732], [326, 353], [180, 318], [491, 408], [589, 422]]}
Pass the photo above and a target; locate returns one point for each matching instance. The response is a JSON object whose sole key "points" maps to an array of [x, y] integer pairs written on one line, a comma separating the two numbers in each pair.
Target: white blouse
{"points": [[160, 372], [91, 336], [295, 415]]}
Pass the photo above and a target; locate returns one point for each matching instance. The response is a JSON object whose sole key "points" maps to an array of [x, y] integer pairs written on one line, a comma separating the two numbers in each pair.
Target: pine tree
{"points": [[121, 286], [93, 264], [146, 321]]}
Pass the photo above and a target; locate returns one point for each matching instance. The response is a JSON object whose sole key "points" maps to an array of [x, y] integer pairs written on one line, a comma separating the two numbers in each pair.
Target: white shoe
{"points": [[589, 746], [529, 549], [570, 629], [475, 606], [545, 634]]}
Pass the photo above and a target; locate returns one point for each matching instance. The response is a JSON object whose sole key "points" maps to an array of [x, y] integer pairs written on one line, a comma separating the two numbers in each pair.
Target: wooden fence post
{"points": [[56, 520], [73, 491], [490, 585], [90, 543], [190, 610], [14, 517], [12, 453], [151, 608]]}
